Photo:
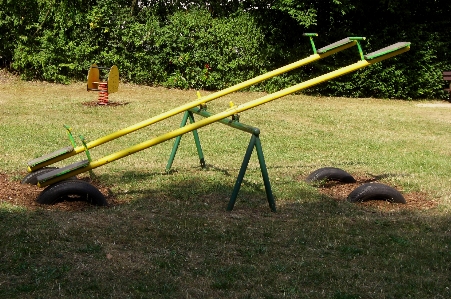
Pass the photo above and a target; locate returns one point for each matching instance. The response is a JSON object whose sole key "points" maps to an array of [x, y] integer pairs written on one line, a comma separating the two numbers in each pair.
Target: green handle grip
{"points": [[310, 34], [357, 38]]}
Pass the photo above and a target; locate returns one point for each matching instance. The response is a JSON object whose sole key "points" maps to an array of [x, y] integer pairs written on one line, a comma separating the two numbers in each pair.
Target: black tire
{"points": [[72, 190], [376, 191], [330, 174], [32, 177]]}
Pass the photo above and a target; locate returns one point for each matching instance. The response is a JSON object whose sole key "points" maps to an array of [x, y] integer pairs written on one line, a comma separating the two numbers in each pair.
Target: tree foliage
{"points": [[212, 45], [416, 74]]}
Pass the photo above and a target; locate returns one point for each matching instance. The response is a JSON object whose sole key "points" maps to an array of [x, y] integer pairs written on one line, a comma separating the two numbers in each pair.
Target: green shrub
{"points": [[211, 49], [210, 53]]}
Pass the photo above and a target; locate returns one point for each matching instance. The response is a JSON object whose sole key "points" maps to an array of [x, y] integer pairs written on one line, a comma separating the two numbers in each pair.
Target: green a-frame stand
{"points": [[253, 143]]}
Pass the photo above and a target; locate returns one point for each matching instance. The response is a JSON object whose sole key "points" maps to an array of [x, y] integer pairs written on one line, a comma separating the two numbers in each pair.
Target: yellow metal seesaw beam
{"points": [[229, 112], [327, 52]]}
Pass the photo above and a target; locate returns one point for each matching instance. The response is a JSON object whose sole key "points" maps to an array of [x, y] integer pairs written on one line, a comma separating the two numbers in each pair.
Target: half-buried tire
{"points": [[72, 190], [376, 191], [326, 174]]}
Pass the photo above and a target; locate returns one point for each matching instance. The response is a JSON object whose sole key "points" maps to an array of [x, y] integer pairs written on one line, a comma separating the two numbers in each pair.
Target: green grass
{"points": [[169, 236]]}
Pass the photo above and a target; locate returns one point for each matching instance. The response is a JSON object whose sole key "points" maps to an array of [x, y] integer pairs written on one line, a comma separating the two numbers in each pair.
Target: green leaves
{"points": [[214, 45], [195, 50], [303, 12]]}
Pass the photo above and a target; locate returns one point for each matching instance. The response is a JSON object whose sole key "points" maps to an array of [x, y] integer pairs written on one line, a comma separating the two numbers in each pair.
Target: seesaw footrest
{"points": [[50, 156], [386, 50], [340, 43], [60, 171]]}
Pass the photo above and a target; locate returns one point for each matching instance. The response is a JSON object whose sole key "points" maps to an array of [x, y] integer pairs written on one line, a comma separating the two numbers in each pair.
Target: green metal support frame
{"points": [[254, 142], [186, 115]]}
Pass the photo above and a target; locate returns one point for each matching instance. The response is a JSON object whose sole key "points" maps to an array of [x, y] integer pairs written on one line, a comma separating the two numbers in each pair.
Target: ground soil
{"points": [[24, 195], [414, 200], [98, 103], [6, 77]]}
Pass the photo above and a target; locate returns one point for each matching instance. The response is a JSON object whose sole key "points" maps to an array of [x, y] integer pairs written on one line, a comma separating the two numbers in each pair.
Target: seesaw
{"points": [[70, 151], [56, 180]]}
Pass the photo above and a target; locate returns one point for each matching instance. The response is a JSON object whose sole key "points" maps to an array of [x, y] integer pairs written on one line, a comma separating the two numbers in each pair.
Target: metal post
{"points": [[197, 141], [261, 159], [240, 177], [254, 142], [176, 143], [186, 115]]}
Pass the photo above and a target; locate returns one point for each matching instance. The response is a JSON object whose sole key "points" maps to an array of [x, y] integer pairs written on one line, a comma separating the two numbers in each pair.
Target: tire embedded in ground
{"points": [[32, 177], [72, 190], [376, 191], [330, 174]]}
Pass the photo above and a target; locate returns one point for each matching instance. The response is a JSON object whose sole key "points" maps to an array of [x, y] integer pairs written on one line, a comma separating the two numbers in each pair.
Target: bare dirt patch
{"points": [[24, 195], [6, 77], [98, 104], [414, 200]]}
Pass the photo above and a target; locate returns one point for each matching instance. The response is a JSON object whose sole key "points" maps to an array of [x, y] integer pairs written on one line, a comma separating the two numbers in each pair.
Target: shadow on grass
{"points": [[204, 188], [175, 240], [216, 184], [213, 185]]}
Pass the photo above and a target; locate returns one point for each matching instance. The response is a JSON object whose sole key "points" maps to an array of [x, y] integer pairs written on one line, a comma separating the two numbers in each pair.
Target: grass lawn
{"points": [[170, 236]]}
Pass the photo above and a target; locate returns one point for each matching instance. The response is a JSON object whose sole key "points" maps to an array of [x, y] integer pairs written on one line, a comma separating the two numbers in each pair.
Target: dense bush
{"points": [[205, 46], [416, 74], [206, 52], [187, 50]]}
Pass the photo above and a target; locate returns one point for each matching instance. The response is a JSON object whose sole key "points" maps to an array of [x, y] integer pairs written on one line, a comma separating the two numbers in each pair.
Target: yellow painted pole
{"points": [[224, 114], [193, 104]]}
